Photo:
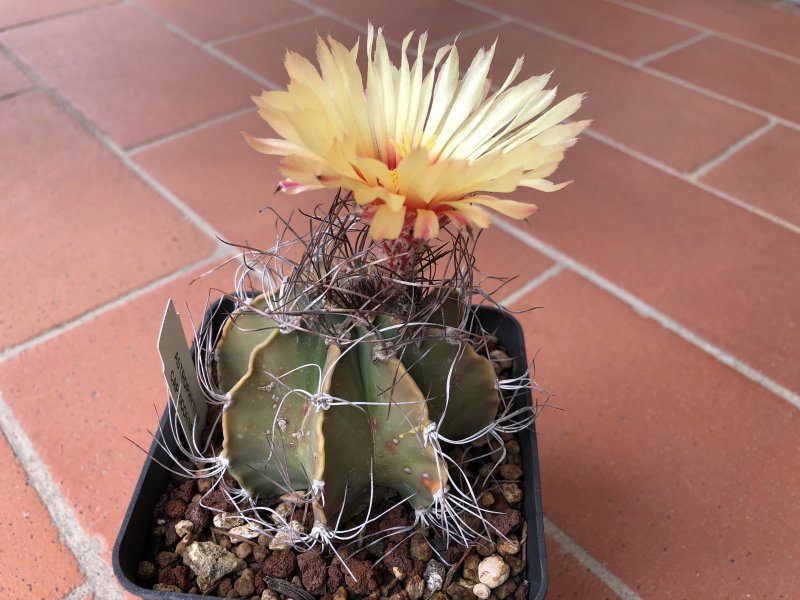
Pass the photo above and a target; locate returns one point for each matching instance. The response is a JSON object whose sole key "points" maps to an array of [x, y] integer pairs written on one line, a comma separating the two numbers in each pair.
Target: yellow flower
{"points": [[414, 148]]}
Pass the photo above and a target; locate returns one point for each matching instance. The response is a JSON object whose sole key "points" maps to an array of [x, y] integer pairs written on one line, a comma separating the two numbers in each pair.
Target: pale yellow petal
{"points": [[475, 216], [543, 185], [387, 224], [414, 178], [470, 94], [443, 92], [426, 227], [274, 146], [510, 208], [555, 115]]}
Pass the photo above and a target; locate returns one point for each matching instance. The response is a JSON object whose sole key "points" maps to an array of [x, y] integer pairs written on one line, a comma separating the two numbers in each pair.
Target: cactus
{"points": [[344, 418]]}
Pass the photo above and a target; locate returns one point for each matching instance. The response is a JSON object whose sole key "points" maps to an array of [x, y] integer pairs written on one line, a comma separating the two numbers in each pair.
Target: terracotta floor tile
{"points": [[765, 173], [36, 564], [498, 254], [218, 175], [212, 19], [82, 228], [110, 362], [17, 13], [571, 580], [761, 80], [264, 52], [615, 28], [677, 473], [727, 275], [11, 79], [134, 79], [440, 18], [748, 20], [665, 121]]}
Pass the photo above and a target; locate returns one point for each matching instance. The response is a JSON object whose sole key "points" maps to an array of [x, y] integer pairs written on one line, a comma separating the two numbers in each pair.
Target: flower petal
{"points": [[474, 215], [510, 208], [426, 226], [387, 224]]}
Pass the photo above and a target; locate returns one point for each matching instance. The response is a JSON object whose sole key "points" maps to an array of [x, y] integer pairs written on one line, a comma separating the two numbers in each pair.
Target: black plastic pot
{"points": [[130, 543]]}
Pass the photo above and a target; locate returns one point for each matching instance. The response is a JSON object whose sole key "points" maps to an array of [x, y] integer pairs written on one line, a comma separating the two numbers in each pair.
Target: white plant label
{"points": [[180, 375]]}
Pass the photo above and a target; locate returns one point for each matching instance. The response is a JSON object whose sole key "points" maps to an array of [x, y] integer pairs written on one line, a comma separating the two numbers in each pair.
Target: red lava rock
{"points": [[261, 586], [306, 517], [280, 564], [197, 515], [458, 592], [171, 536], [312, 571], [399, 556], [396, 518], [335, 578], [364, 581], [178, 576], [507, 522], [183, 492], [419, 567], [522, 592], [505, 590], [217, 500], [174, 509]]}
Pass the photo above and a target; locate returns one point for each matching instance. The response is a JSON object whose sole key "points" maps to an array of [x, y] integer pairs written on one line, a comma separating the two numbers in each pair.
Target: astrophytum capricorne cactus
{"points": [[346, 419]]}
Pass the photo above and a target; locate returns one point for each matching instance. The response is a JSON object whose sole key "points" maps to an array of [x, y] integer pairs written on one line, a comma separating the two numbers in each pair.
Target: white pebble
{"points": [[434, 576], [493, 571], [481, 590], [184, 527], [509, 545], [225, 520]]}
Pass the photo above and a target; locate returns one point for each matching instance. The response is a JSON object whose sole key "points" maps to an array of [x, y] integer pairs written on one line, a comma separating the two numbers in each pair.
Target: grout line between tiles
{"points": [[518, 294], [207, 47], [157, 141], [720, 34], [729, 151], [467, 32], [650, 312], [79, 593], [593, 565], [776, 220], [189, 214], [719, 97], [263, 29], [85, 549], [68, 13], [321, 10], [221, 253], [567, 39], [670, 49]]}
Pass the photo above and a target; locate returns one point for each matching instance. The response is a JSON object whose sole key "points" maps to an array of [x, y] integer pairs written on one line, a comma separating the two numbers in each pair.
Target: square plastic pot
{"points": [[130, 543]]}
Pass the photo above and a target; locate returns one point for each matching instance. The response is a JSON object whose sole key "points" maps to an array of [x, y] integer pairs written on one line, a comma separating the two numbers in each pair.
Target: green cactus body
{"points": [[241, 333], [458, 382], [280, 434]]}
